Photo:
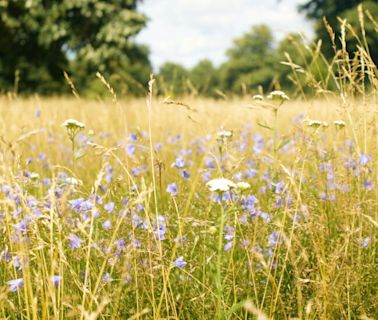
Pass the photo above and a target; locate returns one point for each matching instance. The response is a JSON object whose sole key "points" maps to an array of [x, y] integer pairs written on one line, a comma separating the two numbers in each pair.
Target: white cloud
{"points": [[186, 31]]}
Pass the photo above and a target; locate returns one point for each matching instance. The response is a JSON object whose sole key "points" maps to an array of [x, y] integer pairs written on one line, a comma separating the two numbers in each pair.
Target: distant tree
{"points": [[203, 77], [172, 79], [42, 38], [331, 10], [252, 61], [291, 50]]}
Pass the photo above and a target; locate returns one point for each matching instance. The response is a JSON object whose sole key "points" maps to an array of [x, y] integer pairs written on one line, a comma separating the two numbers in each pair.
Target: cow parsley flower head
{"points": [[339, 124], [34, 176], [224, 134], [73, 127], [278, 95], [316, 123], [242, 186], [72, 124], [220, 185], [73, 181], [258, 97]]}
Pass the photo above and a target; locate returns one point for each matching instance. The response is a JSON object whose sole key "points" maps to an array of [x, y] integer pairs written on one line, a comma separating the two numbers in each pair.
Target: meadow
{"points": [[119, 215]]}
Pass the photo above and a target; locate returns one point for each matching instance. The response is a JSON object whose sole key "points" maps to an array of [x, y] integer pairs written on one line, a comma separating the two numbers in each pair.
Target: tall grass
{"points": [[126, 227]]}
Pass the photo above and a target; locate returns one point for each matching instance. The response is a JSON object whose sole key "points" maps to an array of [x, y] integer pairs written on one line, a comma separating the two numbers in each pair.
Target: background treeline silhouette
{"points": [[41, 39]]}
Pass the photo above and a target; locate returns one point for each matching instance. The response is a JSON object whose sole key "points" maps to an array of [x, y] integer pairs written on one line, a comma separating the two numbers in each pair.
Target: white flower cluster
{"points": [[278, 95], [274, 95], [224, 185], [73, 124], [318, 123], [225, 134]]}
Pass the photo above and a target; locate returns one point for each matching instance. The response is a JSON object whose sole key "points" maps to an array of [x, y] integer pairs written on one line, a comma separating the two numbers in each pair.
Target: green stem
{"points": [[73, 153], [219, 263]]}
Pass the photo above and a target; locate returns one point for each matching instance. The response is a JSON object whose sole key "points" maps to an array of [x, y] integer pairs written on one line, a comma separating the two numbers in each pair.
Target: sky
{"points": [[186, 31]]}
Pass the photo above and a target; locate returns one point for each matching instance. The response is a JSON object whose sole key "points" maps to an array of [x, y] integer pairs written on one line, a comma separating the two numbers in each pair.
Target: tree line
{"points": [[42, 39]]}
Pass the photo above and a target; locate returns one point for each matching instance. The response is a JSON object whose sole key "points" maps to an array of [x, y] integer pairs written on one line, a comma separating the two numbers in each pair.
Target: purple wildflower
{"points": [[75, 241], [179, 163], [228, 246], [368, 185], [15, 284], [109, 207], [274, 238], [172, 189], [56, 280], [209, 163], [160, 228], [132, 137], [229, 233], [364, 159], [130, 149], [185, 174], [179, 262], [365, 242], [107, 277], [107, 225]]}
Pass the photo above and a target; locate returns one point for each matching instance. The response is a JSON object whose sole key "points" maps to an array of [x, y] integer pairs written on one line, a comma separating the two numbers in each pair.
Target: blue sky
{"points": [[186, 31]]}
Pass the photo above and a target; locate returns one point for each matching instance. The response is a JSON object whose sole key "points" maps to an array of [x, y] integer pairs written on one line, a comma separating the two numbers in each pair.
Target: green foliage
{"points": [[252, 61], [42, 38], [204, 77], [173, 79], [345, 9]]}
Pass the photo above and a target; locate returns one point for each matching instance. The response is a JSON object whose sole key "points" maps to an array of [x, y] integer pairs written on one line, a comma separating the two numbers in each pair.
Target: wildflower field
{"points": [[239, 209]]}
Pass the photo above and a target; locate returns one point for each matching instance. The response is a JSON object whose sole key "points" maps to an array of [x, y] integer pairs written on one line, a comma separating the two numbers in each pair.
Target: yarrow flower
{"points": [[258, 97], [225, 134], [73, 127], [339, 124], [34, 176], [242, 186], [73, 181], [316, 123], [72, 124], [220, 185], [278, 95]]}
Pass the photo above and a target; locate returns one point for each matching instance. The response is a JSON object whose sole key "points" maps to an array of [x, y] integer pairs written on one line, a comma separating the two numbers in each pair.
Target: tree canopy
{"points": [[42, 38], [345, 9]]}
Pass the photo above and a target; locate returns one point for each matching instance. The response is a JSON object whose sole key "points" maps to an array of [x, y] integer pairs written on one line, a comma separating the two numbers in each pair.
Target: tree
{"points": [[42, 38], [292, 47], [173, 79], [252, 61], [331, 10], [204, 77]]}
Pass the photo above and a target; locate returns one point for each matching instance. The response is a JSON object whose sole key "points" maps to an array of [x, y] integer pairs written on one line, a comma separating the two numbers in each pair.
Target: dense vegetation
{"points": [[41, 39], [246, 208]]}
